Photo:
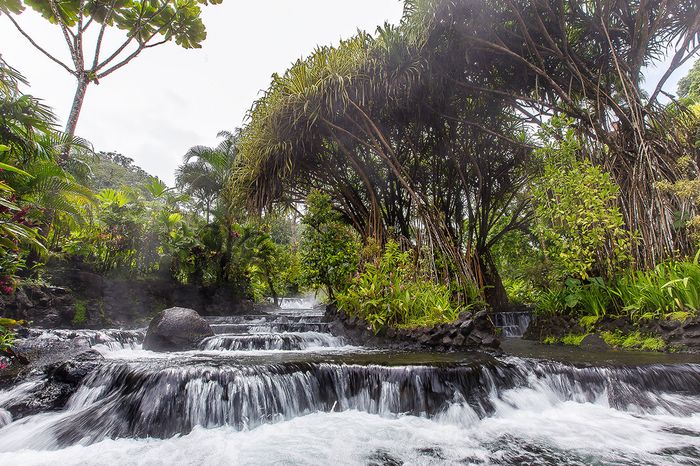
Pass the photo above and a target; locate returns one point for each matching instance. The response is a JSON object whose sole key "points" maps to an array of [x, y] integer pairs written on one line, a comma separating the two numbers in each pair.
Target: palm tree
{"points": [[32, 183], [205, 170]]}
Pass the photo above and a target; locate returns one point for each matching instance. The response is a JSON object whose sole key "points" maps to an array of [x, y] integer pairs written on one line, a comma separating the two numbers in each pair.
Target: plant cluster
{"points": [[669, 291], [389, 292]]}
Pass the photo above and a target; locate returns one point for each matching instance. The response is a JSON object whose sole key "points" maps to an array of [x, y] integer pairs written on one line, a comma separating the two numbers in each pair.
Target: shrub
{"points": [[80, 315], [389, 294], [575, 205]]}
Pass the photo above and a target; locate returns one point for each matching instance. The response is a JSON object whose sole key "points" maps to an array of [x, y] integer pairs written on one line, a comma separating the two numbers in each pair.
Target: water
{"points": [[512, 324], [264, 390]]}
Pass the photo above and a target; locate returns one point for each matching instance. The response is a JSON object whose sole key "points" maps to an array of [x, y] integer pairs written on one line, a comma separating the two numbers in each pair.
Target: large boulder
{"points": [[176, 329]]}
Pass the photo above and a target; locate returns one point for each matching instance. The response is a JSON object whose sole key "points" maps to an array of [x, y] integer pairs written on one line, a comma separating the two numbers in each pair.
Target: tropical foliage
{"points": [[388, 293]]}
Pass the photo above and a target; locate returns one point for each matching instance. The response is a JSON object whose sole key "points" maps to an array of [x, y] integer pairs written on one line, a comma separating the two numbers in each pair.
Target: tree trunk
{"points": [[78, 100], [495, 292]]}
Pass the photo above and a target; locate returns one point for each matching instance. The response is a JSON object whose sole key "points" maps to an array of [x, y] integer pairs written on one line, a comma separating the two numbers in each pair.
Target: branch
{"points": [[101, 34], [132, 34], [139, 49], [38, 47], [66, 33], [87, 25]]}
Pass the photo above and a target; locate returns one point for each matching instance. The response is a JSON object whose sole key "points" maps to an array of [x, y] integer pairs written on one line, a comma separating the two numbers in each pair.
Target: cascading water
{"points": [[255, 394], [512, 324]]}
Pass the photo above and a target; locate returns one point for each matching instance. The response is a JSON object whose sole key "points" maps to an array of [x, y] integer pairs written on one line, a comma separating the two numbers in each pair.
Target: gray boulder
{"points": [[176, 329]]}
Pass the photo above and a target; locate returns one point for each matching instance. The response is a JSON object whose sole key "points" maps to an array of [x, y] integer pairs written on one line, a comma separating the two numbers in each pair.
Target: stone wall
{"points": [[468, 332]]}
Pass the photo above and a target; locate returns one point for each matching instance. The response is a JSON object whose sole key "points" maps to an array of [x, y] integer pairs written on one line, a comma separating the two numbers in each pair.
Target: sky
{"points": [[169, 99]]}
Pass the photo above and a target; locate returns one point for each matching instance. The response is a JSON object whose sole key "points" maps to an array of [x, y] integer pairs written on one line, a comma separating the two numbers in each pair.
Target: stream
{"points": [[280, 389]]}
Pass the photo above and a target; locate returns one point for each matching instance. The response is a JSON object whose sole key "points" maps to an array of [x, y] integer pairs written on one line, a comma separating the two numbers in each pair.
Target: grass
{"points": [[633, 341], [571, 339]]}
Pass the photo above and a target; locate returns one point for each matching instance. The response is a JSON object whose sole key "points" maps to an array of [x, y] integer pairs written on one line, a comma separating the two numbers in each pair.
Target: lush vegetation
{"points": [[102, 212], [478, 153], [524, 172]]}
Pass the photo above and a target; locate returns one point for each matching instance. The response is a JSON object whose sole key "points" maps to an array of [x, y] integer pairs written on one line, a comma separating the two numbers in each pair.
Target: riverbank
{"points": [[667, 335]]}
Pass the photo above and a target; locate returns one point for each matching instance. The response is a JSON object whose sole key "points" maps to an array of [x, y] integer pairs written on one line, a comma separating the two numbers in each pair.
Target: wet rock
{"points": [[61, 383], [464, 315], [176, 329], [74, 370], [482, 321], [466, 327], [459, 340], [594, 342]]}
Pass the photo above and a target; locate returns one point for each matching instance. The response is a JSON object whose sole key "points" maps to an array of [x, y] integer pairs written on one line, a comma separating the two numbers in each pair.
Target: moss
{"points": [[80, 315], [680, 316], [571, 339], [634, 341], [551, 340]]}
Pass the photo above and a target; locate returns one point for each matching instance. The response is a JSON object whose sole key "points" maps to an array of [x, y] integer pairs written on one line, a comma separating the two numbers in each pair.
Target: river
{"points": [[279, 389]]}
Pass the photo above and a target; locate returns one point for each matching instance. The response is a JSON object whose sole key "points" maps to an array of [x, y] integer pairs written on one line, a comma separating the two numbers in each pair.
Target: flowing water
{"points": [[512, 324], [279, 389]]}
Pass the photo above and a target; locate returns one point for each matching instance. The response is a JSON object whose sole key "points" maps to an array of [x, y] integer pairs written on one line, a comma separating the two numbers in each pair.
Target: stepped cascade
{"points": [[281, 378]]}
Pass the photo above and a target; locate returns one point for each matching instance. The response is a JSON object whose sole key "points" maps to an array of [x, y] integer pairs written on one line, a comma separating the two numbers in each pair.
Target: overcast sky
{"points": [[170, 99]]}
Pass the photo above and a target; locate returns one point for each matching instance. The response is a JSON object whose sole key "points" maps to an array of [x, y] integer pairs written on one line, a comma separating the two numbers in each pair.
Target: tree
{"points": [[36, 194], [585, 60], [400, 149], [205, 170], [146, 23], [329, 252], [689, 85]]}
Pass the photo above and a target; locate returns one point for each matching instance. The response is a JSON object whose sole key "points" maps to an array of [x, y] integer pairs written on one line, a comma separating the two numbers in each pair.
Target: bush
{"points": [[389, 294], [669, 291], [575, 204]]}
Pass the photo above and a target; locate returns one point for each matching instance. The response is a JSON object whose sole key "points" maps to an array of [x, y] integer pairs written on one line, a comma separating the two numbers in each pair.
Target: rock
{"points": [[466, 327], [669, 325], [594, 342], [482, 321], [459, 340], [63, 380], [464, 315], [490, 341], [75, 369], [176, 329]]}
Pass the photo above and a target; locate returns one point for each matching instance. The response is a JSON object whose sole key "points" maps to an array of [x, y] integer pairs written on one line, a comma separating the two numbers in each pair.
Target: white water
{"points": [[268, 412], [567, 432]]}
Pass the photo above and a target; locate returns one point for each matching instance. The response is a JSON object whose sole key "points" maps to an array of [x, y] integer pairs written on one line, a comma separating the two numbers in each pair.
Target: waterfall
{"points": [[156, 400], [513, 324]]}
